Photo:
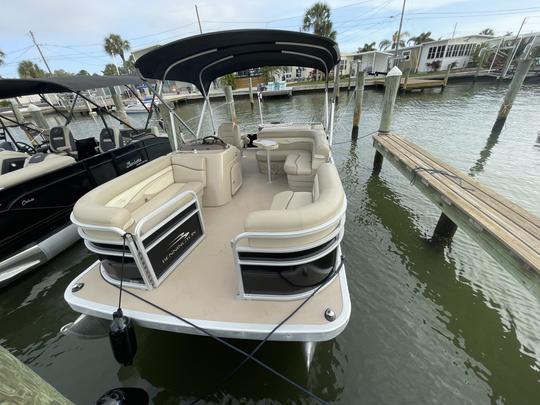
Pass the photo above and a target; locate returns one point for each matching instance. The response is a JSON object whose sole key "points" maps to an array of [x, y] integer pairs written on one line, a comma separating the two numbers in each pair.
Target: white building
{"points": [[373, 62], [439, 55]]}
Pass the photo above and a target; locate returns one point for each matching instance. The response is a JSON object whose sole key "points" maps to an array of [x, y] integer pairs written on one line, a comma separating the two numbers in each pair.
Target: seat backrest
{"points": [[110, 139], [328, 200], [61, 140], [230, 133]]}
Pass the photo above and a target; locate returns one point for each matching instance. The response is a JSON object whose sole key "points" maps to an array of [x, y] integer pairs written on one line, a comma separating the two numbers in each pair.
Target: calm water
{"points": [[429, 324]]}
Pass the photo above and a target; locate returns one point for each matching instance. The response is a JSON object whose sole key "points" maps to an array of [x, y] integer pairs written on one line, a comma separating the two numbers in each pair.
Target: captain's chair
{"points": [[230, 133], [109, 139], [62, 141]]}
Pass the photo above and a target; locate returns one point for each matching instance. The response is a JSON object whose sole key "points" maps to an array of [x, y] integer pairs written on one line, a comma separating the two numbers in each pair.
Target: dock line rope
{"points": [[354, 140], [247, 356], [432, 171], [324, 282]]}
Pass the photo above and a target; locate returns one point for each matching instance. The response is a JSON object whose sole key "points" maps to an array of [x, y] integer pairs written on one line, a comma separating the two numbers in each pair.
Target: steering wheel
{"points": [[212, 140], [26, 148]]}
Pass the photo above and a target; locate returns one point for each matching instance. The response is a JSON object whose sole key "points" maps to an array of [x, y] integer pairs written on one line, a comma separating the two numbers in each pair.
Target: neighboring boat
{"points": [[41, 180], [275, 89], [142, 108], [207, 241]]}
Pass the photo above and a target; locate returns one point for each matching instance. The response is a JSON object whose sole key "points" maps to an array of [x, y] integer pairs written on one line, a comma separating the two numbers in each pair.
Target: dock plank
{"points": [[517, 230]]}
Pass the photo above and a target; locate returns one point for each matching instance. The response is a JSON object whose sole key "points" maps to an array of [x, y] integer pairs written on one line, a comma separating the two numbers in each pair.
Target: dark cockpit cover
{"points": [[65, 84], [202, 58]]}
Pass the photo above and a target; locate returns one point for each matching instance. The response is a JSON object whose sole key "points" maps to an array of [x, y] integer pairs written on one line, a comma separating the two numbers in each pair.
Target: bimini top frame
{"points": [[201, 59]]}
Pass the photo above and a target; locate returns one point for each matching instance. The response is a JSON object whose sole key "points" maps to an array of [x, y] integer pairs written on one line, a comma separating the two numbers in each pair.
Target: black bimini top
{"points": [[202, 58], [65, 84]]}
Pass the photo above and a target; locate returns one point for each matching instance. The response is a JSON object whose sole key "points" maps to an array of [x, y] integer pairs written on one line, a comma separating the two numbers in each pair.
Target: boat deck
{"points": [[204, 286], [505, 228]]}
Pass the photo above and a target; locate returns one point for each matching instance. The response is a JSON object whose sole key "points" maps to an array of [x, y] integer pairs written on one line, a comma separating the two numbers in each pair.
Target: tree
{"points": [[392, 43], [83, 72], [421, 38], [2, 58], [267, 72], [28, 70], [487, 31], [110, 69], [116, 45], [61, 72], [317, 19], [228, 80], [367, 47]]}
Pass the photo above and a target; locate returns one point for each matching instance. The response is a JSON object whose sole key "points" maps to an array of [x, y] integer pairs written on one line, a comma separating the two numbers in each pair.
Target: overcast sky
{"points": [[71, 32]]}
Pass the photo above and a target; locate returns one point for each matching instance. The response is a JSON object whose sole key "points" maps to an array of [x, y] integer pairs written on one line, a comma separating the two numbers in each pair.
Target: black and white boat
{"points": [[40, 180], [216, 238]]}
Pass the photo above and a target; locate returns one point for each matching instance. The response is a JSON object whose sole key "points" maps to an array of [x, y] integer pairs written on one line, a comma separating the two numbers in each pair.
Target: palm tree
{"points": [[487, 31], [387, 43], [28, 70], [421, 38], [367, 47], [317, 19], [116, 45]]}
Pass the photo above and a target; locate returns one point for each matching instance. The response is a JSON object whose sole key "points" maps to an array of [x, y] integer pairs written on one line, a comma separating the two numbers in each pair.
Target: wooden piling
{"points": [[251, 92], [20, 385], [349, 84], [405, 81], [119, 105], [391, 84], [515, 85], [16, 112], [230, 101], [445, 228], [358, 99], [446, 76]]}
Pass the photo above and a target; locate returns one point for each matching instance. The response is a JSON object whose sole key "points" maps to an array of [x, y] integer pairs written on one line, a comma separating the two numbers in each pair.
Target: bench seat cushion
{"points": [[298, 163], [289, 200]]}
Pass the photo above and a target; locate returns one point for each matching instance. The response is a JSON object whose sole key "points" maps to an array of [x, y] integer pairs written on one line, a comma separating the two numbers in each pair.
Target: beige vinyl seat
{"points": [[300, 210], [229, 132], [124, 201], [302, 149], [34, 166], [61, 141]]}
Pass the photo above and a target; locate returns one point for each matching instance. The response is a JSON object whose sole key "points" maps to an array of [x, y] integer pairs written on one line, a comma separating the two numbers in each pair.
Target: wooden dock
{"points": [[506, 231], [410, 84]]}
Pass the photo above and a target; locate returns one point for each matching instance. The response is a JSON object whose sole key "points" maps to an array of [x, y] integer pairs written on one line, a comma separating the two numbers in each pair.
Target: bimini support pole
{"points": [[325, 118], [173, 129], [211, 113], [171, 109], [333, 107], [199, 126], [259, 97]]}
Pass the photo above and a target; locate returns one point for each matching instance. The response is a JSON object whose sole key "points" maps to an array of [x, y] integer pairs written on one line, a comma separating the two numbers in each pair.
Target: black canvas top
{"points": [[202, 58], [65, 84]]}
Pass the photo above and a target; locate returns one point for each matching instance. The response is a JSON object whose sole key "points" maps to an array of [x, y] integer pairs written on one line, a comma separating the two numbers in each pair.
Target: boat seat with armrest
{"points": [[229, 132], [61, 141], [300, 210], [110, 139], [34, 166], [302, 149], [125, 200]]}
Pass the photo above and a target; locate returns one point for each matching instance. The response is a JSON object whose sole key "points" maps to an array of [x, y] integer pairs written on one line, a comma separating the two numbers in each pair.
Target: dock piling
{"points": [[16, 112], [391, 87], [230, 101], [515, 85], [119, 105], [358, 99], [445, 228], [446, 76], [251, 93]]}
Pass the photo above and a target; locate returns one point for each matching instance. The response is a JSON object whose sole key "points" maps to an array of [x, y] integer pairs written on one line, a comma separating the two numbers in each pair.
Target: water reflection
{"points": [[470, 324]]}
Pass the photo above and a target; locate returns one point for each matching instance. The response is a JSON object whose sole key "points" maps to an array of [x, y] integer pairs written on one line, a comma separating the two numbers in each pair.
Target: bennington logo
{"points": [[177, 243], [131, 163], [28, 201]]}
